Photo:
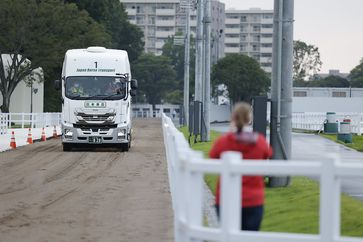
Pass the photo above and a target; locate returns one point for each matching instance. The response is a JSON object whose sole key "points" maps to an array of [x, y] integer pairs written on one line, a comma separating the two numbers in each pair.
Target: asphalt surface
{"points": [[87, 195]]}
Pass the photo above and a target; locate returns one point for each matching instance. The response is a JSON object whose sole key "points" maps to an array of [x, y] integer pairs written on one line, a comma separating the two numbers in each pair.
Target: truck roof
{"points": [[96, 61]]}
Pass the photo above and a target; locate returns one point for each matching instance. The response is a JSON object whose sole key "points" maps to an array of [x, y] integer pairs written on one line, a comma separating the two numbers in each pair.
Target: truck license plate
{"points": [[95, 139]]}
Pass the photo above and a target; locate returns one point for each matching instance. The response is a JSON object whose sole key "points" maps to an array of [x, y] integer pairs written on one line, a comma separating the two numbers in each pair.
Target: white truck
{"points": [[97, 90]]}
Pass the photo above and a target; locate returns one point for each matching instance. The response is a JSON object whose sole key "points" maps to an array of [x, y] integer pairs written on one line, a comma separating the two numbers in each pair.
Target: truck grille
{"points": [[95, 118]]}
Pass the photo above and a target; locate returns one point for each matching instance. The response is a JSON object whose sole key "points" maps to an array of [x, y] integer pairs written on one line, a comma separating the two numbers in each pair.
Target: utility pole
{"points": [[186, 62], [281, 92], [207, 65], [199, 53]]}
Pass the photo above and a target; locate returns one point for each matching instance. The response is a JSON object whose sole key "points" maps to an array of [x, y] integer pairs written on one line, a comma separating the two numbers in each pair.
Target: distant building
{"points": [[250, 32], [327, 92], [159, 19], [20, 100], [331, 73]]}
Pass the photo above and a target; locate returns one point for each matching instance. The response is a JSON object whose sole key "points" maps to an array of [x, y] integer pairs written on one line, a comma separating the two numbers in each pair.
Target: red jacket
{"points": [[252, 146]]}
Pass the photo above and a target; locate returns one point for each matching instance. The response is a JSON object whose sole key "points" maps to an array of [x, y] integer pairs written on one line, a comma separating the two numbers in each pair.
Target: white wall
{"points": [[327, 104], [220, 113], [20, 99]]}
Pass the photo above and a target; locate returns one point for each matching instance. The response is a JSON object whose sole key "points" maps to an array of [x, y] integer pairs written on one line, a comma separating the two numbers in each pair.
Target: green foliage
{"points": [[156, 77], [357, 141], [112, 15], [306, 60], [42, 31], [356, 75], [242, 75], [330, 81], [176, 55]]}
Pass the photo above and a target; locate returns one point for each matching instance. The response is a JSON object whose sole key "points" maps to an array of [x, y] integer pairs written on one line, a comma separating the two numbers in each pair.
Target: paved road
{"points": [[315, 148], [102, 195]]}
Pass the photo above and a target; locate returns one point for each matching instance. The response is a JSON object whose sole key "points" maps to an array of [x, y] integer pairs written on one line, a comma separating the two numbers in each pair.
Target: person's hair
{"points": [[241, 115]]}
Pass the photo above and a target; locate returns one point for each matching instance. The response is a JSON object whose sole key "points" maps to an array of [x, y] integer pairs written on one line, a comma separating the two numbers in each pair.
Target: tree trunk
{"points": [[6, 104]]}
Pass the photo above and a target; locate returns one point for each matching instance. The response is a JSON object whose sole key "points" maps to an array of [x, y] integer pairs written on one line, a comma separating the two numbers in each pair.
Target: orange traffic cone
{"points": [[43, 138], [55, 135], [12, 140], [30, 138]]}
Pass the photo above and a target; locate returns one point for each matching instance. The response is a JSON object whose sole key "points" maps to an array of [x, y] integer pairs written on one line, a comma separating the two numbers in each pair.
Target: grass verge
{"points": [[357, 141], [295, 209]]}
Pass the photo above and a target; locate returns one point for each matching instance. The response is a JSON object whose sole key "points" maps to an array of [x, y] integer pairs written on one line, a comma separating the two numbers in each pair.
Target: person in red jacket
{"points": [[252, 146]]}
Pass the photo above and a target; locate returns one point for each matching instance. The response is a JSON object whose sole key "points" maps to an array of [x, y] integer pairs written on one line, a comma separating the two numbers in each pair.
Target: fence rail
{"points": [[25, 120], [187, 167], [315, 121]]}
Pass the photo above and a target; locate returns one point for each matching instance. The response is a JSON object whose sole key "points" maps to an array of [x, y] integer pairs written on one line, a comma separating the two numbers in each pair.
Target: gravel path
{"points": [[85, 195]]}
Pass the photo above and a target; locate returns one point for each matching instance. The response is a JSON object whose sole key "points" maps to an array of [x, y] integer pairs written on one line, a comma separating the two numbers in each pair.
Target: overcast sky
{"points": [[335, 26]]}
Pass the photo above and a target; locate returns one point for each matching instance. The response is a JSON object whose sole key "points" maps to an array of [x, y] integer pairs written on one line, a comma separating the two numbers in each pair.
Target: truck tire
{"points": [[125, 146], [67, 147]]}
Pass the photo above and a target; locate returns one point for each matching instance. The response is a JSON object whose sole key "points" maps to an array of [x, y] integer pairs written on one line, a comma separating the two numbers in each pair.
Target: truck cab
{"points": [[96, 98]]}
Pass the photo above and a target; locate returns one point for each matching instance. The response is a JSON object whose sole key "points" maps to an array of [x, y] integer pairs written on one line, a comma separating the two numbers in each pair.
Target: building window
{"points": [[300, 94], [339, 94], [243, 18], [256, 29]]}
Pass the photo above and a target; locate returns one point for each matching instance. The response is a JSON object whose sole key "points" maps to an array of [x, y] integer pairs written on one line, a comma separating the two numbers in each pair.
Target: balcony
{"points": [[266, 30], [265, 59], [167, 23], [267, 69], [266, 40], [231, 40], [232, 31], [229, 50], [164, 34], [266, 49], [232, 21], [131, 11], [165, 12], [267, 21], [159, 45]]}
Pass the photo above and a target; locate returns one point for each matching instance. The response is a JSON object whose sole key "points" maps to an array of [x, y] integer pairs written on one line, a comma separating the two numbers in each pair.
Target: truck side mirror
{"points": [[57, 85], [133, 92], [134, 84]]}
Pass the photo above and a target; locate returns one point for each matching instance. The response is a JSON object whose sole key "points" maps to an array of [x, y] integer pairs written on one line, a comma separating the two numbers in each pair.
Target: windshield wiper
{"points": [[110, 96], [94, 96], [75, 97]]}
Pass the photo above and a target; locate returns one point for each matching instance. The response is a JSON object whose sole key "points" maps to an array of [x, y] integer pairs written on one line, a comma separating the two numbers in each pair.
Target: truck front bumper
{"points": [[94, 135]]}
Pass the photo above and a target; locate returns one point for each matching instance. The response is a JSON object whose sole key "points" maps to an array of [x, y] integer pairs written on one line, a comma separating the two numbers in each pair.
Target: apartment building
{"points": [[250, 32], [159, 19]]}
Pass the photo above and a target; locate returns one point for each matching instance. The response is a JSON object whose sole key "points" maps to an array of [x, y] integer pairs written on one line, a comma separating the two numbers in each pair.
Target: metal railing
{"points": [[28, 120], [315, 121], [187, 167]]}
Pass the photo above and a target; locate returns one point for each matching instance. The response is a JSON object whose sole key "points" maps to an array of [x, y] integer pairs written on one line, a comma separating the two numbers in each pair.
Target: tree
{"points": [[29, 32], [330, 81], [356, 75], [306, 60], [176, 54], [113, 16], [242, 75], [156, 77]]}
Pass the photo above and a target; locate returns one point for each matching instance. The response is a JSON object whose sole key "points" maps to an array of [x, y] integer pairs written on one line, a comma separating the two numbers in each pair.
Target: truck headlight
{"points": [[68, 134], [121, 133], [110, 118]]}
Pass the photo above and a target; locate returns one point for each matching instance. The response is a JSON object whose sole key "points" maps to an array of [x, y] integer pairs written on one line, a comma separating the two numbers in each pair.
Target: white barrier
{"points": [[33, 120], [315, 121], [187, 167], [3, 123]]}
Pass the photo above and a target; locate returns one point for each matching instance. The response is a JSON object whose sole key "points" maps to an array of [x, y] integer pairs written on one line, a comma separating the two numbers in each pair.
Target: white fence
{"points": [[315, 121], [187, 167], [24, 120]]}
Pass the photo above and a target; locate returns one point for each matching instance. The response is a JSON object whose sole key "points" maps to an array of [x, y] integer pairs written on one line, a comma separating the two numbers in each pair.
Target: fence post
{"points": [[329, 201], [230, 207], [194, 194]]}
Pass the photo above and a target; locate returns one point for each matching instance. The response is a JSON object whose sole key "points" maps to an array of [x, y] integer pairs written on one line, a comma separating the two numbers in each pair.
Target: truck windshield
{"points": [[95, 88]]}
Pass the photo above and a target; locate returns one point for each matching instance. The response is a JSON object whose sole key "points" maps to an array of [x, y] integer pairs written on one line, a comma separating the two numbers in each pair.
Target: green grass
{"points": [[295, 208], [357, 141]]}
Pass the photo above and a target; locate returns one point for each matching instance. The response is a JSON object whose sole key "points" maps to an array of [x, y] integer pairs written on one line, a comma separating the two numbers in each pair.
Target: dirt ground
{"points": [[101, 195]]}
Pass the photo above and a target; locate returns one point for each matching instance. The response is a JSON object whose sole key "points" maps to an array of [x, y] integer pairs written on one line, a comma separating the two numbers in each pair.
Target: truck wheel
{"points": [[125, 147], [67, 147], [129, 141]]}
